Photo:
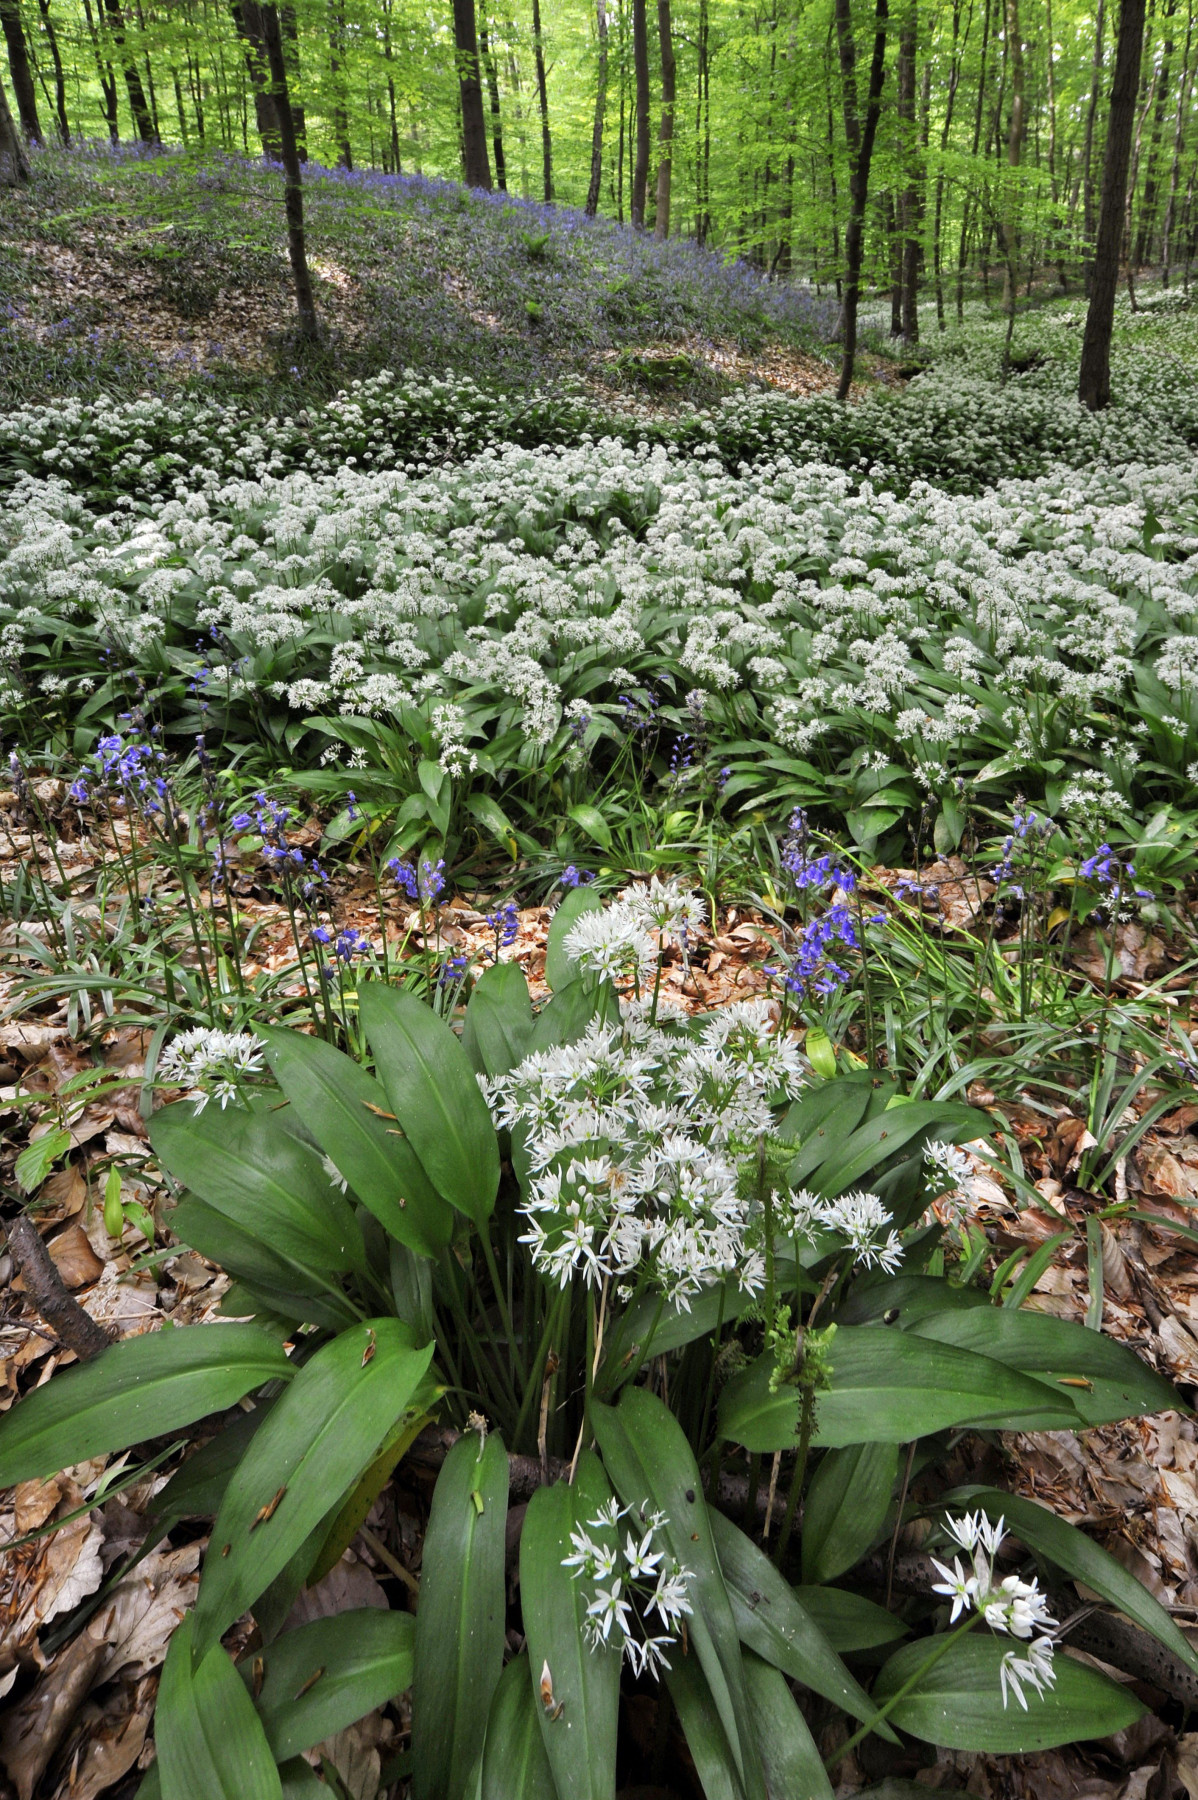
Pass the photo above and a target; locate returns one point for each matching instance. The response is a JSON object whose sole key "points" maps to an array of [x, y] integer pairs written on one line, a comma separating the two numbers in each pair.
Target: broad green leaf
{"points": [[515, 1766], [247, 1166], [904, 1300], [793, 1764], [433, 1092], [958, 1703], [819, 1051], [1079, 1556], [580, 1740], [138, 1389], [560, 968], [351, 1516], [196, 1490], [593, 823], [849, 1621], [320, 1437], [846, 1507], [649, 1460], [497, 1033], [492, 817], [771, 1621], [702, 1726], [290, 1290], [38, 1158], [460, 1622], [1105, 1381], [342, 1106], [888, 1387], [317, 1680], [822, 1119], [210, 1740], [438, 791], [875, 1142], [565, 1017]]}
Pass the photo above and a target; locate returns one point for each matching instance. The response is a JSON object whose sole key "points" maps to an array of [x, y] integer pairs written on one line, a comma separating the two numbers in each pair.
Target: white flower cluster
{"points": [[625, 939], [1011, 1606], [951, 1172], [859, 1218], [629, 1585], [216, 1062], [633, 1136]]}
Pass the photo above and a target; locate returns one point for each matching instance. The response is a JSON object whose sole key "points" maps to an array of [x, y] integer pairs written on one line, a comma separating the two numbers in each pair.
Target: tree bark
{"points": [[489, 69], [1179, 120], [1094, 377], [475, 162], [345, 155], [640, 64], [143, 123], [14, 164], [592, 201], [24, 91], [1088, 220], [908, 205], [665, 129], [1148, 200], [60, 86], [538, 45], [1015, 130], [293, 181], [860, 140], [75, 1328], [247, 22]]}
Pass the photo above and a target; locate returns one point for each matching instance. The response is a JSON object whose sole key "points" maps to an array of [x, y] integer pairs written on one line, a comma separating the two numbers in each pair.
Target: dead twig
{"points": [[75, 1329]]}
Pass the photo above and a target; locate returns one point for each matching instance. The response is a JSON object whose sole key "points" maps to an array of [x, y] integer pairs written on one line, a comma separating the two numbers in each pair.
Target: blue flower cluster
{"points": [[425, 884]]}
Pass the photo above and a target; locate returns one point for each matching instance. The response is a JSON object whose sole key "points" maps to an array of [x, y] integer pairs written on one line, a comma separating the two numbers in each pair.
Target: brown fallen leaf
{"points": [[106, 1740]]}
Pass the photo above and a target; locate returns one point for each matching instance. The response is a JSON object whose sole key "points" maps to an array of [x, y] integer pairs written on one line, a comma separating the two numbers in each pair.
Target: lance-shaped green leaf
{"points": [[319, 1438], [460, 1622], [579, 1725], [136, 1390], [846, 1507], [354, 1511], [515, 1766], [343, 1107], [958, 1703], [880, 1138], [247, 1166], [702, 1727], [1105, 1381], [433, 1092], [793, 1764], [888, 1387], [497, 1033], [1079, 1556], [279, 1285], [317, 1680], [650, 1462], [849, 1621], [771, 1620], [210, 1740], [196, 1490], [559, 967]]}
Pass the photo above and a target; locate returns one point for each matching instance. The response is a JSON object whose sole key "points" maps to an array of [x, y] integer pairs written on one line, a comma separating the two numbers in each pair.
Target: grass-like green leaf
{"points": [[211, 1744], [515, 1766]]}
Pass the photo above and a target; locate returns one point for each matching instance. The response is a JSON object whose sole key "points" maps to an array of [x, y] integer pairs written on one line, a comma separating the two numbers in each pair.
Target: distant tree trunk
{"points": [[665, 129], [640, 64], [1088, 220], [60, 86], [143, 123], [247, 22], [894, 253], [1015, 133], [860, 140], [389, 56], [1150, 196], [14, 164], [592, 202], [345, 155], [488, 62], [24, 90], [703, 131], [538, 45], [908, 205], [293, 181], [1094, 378], [954, 80], [475, 161], [291, 62], [1179, 119]]}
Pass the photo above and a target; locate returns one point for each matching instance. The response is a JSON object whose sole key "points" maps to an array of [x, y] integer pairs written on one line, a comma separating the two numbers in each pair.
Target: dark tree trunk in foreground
{"points": [[538, 46], [665, 130], [143, 123], [14, 164], [247, 21], [475, 162], [592, 204], [860, 140], [1094, 380], [640, 64], [24, 91], [293, 184]]}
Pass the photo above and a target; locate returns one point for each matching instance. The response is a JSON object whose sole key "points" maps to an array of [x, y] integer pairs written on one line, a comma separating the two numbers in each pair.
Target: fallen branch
{"points": [[75, 1329]]}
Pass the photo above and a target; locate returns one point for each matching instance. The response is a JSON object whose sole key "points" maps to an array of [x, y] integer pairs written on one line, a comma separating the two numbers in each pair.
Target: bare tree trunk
{"points": [[24, 91], [60, 86], [293, 181], [1094, 377], [143, 123], [538, 45], [14, 164], [345, 155], [592, 203], [1015, 130], [908, 203], [1179, 118], [665, 129], [1149, 198], [475, 162], [640, 64], [247, 22], [954, 80], [860, 140], [1088, 186], [488, 60]]}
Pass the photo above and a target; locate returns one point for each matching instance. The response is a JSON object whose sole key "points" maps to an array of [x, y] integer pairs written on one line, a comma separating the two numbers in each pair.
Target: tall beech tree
{"points": [[860, 134], [476, 165], [1094, 377]]}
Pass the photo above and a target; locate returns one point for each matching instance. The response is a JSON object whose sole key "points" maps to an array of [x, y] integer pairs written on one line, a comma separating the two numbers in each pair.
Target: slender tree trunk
{"points": [[1179, 118], [665, 129], [293, 181], [24, 90], [488, 61], [968, 208], [475, 161], [954, 80], [908, 204], [14, 163], [1089, 219], [538, 45], [860, 140], [289, 28], [143, 123], [704, 102], [247, 22], [389, 57], [1015, 133], [1094, 378], [592, 201], [1148, 200], [623, 106], [60, 86], [345, 155], [640, 64]]}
